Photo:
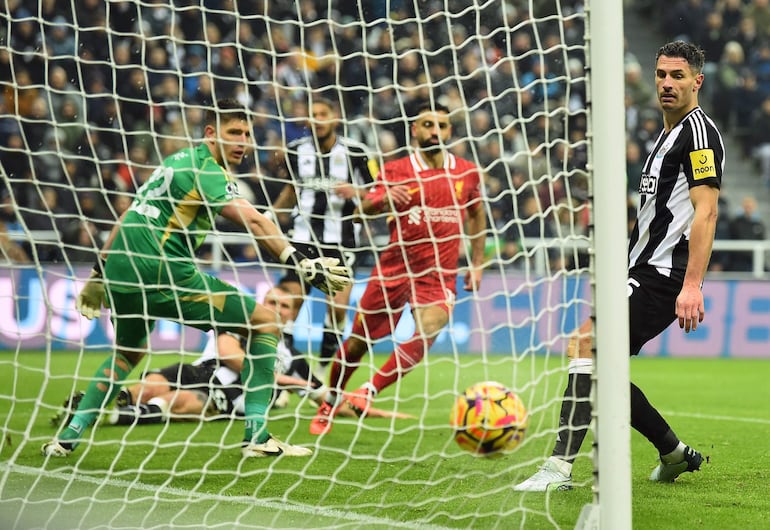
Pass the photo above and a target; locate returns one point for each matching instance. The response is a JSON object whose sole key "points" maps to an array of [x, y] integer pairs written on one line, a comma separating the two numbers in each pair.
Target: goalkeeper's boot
{"points": [[56, 449], [273, 447], [360, 401], [668, 472], [322, 422], [548, 478], [70, 405]]}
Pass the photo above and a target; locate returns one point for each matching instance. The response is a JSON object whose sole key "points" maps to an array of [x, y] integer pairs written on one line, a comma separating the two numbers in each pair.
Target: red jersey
{"points": [[425, 234]]}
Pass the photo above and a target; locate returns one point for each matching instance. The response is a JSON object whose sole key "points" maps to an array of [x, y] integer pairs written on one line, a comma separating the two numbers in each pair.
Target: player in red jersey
{"points": [[429, 196]]}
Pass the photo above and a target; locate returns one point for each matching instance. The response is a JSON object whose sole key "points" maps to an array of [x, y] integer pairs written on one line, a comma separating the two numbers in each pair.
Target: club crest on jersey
{"points": [[703, 165], [231, 190], [459, 189], [648, 184]]}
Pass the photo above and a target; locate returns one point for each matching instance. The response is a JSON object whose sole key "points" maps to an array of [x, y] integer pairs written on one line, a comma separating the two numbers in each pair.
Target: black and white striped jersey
{"points": [[691, 154], [320, 215]]}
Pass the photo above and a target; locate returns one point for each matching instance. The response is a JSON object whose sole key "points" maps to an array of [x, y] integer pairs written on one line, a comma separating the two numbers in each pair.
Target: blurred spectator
{"points": [[732, 14], [158, 67], [20, 94], [647, 132], [720, 259], [60, 45], [124, 18], [760, 139], [542, 83], [38, 125], [81, 241], [194, 66], [70, 127], [59, 89], [634, 166], [10, 250], [747, 36], [728, 80], [712, 41], [133, 103], [40, 210], [130, 171], [638, 88], [759, 63], [26, 42], [748, 100], [759, 12], [227, 73], [746, 226]]}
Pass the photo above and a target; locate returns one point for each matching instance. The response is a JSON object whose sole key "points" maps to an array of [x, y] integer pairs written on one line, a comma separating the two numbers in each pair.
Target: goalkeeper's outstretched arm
{"points": [[324, 273]]}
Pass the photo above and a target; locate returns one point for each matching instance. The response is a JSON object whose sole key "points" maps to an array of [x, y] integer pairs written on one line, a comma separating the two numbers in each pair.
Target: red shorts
{"points": [[381, 305]]}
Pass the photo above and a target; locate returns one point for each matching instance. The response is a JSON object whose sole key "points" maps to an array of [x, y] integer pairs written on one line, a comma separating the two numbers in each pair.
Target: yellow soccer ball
{"points": [[488, 419]]}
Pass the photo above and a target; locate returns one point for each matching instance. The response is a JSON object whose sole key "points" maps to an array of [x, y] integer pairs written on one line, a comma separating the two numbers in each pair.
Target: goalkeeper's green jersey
{"points": [[168, 220]]}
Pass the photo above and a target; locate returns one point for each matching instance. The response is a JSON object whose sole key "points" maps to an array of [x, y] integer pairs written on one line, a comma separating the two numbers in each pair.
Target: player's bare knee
{"points": [[430, 321]]}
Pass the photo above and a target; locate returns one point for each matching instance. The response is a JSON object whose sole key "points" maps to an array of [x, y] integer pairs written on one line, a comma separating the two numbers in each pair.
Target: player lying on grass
{"points": [[150, 273], [210, 387]]}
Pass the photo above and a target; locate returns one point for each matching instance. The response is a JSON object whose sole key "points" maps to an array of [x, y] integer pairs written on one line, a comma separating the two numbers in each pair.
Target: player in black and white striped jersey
{"points": [[669, 252], [329, 175]]}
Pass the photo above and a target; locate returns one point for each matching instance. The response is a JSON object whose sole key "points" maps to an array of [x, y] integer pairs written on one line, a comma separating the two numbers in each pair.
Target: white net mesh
{"points": [[96, 94]]}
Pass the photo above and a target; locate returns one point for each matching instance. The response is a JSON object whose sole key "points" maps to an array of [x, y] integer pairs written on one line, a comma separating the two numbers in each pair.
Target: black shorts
{"points": [[651, 303], [348, 256], [201, 378]]}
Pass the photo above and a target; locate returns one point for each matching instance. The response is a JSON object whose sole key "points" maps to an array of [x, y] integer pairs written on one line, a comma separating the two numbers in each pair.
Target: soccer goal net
{"points": [[95, 96]]}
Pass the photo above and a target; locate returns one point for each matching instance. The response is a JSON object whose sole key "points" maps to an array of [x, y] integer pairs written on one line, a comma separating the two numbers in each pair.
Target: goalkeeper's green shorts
{"points": [[201, 301]]}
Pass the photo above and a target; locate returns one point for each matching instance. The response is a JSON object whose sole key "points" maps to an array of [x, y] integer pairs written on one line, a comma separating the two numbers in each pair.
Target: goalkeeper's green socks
{"points": [[258, 377], [102, 389]]}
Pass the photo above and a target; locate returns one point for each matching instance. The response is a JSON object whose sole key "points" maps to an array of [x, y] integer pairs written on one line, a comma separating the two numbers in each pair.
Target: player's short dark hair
{"points": [[684, 50], [428, 106], [323, 101], [227, 108]]}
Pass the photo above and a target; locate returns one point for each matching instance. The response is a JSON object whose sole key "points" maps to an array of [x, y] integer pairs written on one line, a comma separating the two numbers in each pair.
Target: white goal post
{"points": [[611, 374], [96, 94]]}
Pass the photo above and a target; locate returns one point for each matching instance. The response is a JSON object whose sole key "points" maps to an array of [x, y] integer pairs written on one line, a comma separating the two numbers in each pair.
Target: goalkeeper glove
{"points": [[326, 274], [91, 299]]}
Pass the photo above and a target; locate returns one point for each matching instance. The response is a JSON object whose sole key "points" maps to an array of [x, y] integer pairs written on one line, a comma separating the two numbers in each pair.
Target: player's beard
{"points": [[430, 144], [324, 139]]}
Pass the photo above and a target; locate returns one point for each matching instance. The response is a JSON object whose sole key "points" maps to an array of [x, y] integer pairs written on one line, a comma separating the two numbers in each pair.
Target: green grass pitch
{"points": [[380, 473]]}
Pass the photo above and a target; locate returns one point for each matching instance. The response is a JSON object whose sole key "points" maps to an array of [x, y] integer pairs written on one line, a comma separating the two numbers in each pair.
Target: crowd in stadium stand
{"points": [[88, 112]]}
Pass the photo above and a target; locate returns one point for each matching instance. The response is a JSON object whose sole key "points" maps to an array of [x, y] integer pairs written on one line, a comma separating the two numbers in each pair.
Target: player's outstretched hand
{"points": [[91, 298], [326, 274]]}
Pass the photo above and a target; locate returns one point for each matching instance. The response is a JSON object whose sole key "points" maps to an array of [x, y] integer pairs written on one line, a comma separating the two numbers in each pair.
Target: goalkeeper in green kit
{"points": [[146, 271]]}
